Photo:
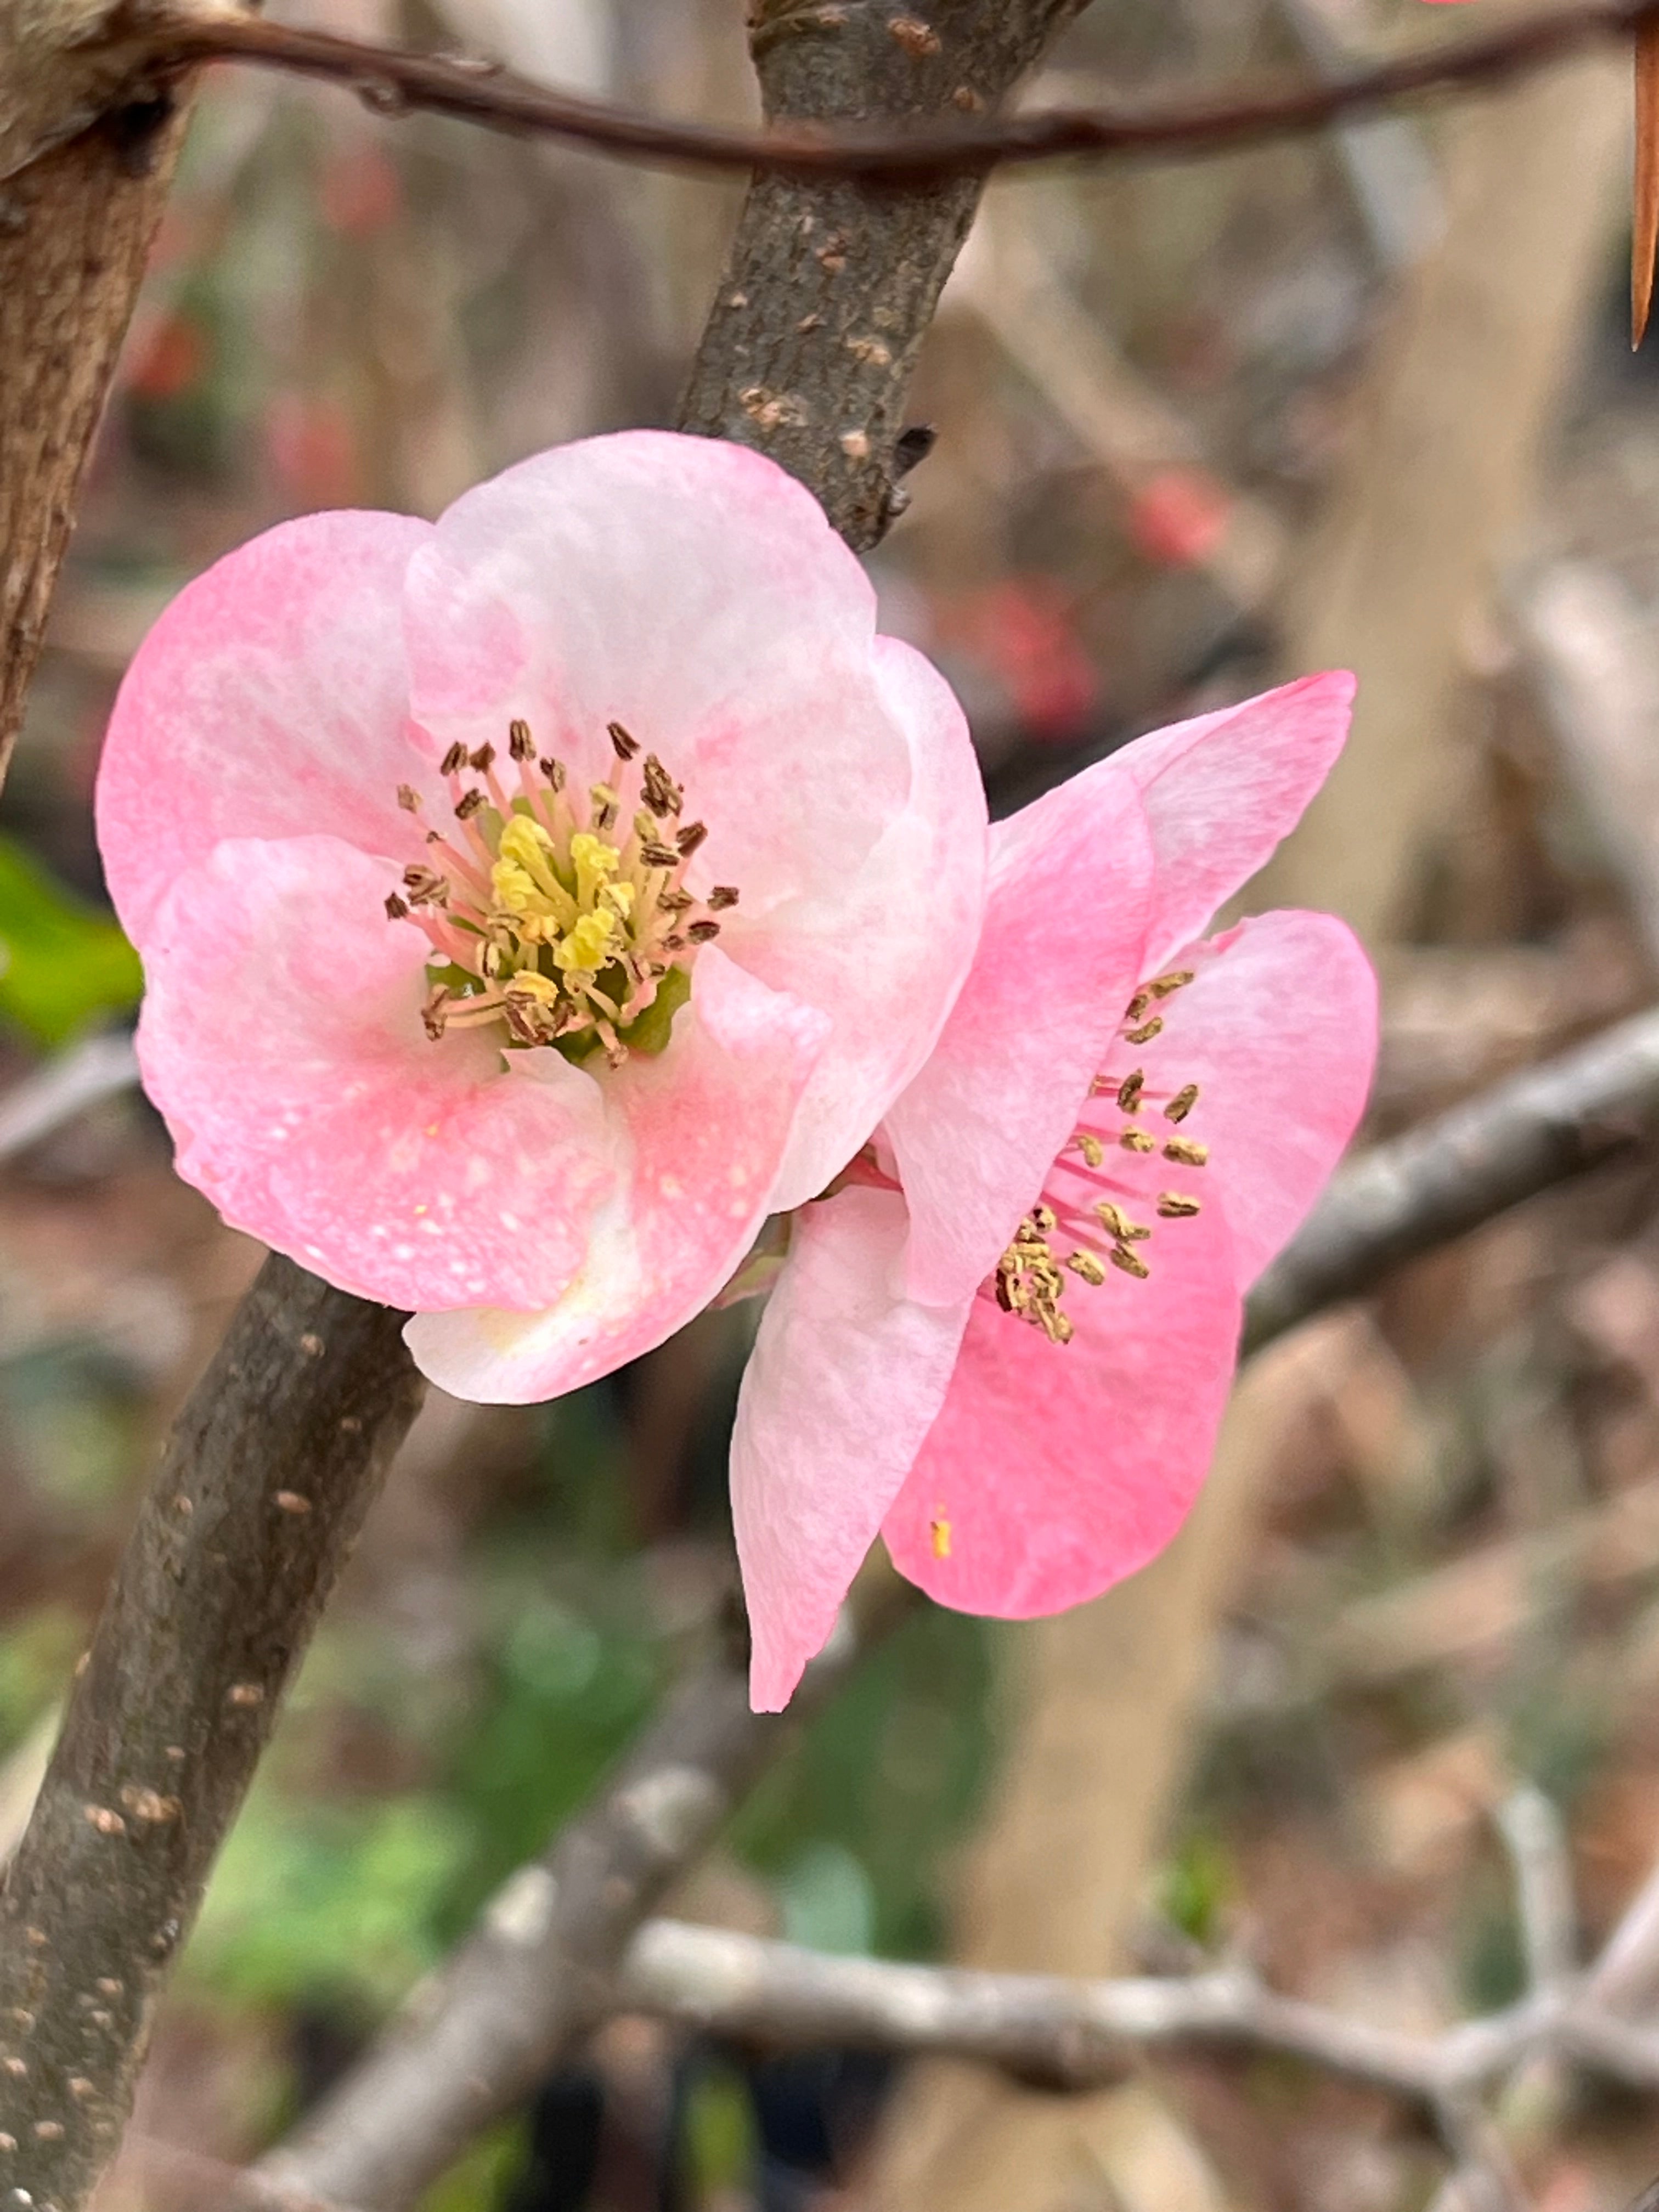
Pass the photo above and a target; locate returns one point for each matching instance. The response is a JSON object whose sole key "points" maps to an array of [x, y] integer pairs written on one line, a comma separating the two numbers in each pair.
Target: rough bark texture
{"points": [[261, 1488], [74, 231], [829, 286]]}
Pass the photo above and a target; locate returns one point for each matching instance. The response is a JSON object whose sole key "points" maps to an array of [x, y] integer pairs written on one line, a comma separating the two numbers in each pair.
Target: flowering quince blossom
{"points": [[1005, 1338], [534, 902]]}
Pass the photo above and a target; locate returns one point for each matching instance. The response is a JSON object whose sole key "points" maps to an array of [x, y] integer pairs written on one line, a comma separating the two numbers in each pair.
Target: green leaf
{"points": [[63, 963]]}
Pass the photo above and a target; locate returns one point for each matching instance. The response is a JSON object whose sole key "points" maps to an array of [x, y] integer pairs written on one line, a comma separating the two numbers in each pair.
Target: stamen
{"points": [[1093, 1152], [1175, 1207], [1137, 1140], [409, 798], [662, 795], [1086, 1265], [425, 886], [1185, 1152], [939, 1530], [1183, 1103], [1162, 986], [1129, 1090], [1148, 1030], [538, 922], [1130, 1262]]}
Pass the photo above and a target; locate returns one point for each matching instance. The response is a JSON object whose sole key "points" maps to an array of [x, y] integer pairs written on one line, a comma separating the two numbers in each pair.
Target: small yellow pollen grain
{"points": [[940, 1529], [1137, 1140]]}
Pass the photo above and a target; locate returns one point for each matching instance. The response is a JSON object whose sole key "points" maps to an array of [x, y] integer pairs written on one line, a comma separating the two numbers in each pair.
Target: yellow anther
{"points": [[1129, 1090], [587, 946], [1187, 1152], [940, 1529], [1137, 1005], [1093, 1152], [1137, 1140], [1131, 1262], [619, 897], [1183, 1103], [595, 863], [1043, 1219], [528, 984], [515, 886], [1175, 1207], [1086, 1265], [525, 842], [1146, 1032], [1118, 1224], [1177, 979]]}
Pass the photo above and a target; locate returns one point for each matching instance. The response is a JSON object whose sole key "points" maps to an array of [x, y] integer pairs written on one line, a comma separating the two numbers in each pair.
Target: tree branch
{"points": [[1463, 1168], [535, 1974], [262, 1489], [393, 81]]}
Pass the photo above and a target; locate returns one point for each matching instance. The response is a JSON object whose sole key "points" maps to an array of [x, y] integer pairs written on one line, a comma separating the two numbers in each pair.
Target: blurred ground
{"points": [[1142, 382]]}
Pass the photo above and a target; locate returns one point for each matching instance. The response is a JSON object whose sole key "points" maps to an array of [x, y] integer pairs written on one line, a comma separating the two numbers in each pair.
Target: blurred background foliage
{"points": [[1146, 382]]}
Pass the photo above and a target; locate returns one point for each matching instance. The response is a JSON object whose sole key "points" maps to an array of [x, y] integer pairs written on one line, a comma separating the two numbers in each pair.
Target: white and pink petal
{"points": [[269, 700]]}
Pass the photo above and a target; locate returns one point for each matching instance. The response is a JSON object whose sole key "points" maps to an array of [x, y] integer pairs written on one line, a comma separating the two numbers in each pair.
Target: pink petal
{"points": [[885, 951], [844, 1382], [693, 592], [1054, 1470], [1221, 791], [1059, 957], [702, 1128], [281, 1040], [1278, 1031], [270, 700]]}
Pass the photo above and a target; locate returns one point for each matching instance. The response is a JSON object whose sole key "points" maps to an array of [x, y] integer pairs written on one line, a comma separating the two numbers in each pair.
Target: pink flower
{"points": [[1005, 1341], [532, 902]]}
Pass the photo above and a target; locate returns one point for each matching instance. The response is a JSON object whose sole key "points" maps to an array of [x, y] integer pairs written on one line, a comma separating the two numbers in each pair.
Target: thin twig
{"points": [[394, 81], [1537, 1845], [1464, 1167], [534, 1974]]}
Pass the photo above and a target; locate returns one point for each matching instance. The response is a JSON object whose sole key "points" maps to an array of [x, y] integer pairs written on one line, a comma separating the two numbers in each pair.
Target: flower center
{"points": [[1106, 1175], [541, 918]]}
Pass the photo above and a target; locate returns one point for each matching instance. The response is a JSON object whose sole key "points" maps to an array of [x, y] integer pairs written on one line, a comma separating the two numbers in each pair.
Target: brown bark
{"points": [[74, 231], [829, 286], [261, 1488]]}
